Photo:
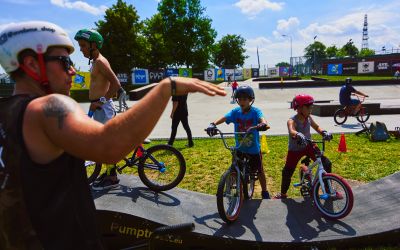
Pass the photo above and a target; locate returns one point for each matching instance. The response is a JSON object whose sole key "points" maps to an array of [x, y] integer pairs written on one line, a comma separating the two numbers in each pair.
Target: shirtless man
{"points": [[104, 84]]}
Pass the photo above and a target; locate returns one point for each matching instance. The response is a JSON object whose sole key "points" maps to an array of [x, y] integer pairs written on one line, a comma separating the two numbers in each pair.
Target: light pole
{"points": [[290, 62], [315, 71]]}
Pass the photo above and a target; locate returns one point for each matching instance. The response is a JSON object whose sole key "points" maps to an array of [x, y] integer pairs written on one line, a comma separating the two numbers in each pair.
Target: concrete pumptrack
{"points": [[128, 215]]}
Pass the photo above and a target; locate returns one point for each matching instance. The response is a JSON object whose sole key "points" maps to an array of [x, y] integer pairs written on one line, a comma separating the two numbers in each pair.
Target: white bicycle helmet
{"points": [[35, 35]]}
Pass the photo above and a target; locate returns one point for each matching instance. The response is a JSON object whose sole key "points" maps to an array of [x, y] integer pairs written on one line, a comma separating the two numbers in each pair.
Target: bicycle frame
{"points": [[320, 171], [134, 161]]}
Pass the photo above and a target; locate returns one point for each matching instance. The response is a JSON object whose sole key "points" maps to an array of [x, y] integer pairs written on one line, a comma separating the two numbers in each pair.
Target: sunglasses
{"points": [[66, 61]]}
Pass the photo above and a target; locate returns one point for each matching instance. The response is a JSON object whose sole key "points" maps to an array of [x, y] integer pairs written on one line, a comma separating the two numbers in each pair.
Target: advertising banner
{"points": [[255, 72], [209, 75], [395, 66], [349, 68], [81, 80], [123, 78], [229, 73], [246, 74], [273, 72], [171, 72], [140, 76], [198, 75], [365, 67], [283, 71], [156, 75], [335, 69], [220, 74], [238, 75], [185, 72]]}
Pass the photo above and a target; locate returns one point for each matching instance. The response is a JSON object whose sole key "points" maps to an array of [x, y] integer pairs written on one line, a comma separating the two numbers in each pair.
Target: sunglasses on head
{"points": [[66, 61]]}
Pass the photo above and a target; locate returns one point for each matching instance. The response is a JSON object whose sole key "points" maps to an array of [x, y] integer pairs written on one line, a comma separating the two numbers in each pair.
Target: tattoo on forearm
{"points": [[57, 107]]}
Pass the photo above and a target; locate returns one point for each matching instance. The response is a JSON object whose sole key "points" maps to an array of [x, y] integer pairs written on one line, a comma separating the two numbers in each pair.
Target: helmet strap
{"points": [[42, 78]]}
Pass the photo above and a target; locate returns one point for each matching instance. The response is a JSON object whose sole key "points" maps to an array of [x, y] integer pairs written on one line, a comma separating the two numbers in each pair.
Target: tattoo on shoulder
{"points": [[58, 106]]}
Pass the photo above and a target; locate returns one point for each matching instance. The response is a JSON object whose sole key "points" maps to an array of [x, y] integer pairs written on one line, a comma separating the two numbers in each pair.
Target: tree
{"points": [[315, 52], [366, 52], [331, 51], [158, 56], [349, 49], [124, 45], [282, 64], [229, 52], [188, 34]]}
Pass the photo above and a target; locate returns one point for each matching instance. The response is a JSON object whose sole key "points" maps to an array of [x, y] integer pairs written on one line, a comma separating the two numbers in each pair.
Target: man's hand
{"points": [[212, 129], [326, 135], [95, 105], [301, 139], [191, 85]]}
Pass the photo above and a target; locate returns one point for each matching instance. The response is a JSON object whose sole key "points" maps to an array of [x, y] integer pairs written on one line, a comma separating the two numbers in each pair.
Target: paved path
{"points": [[275, 105]]}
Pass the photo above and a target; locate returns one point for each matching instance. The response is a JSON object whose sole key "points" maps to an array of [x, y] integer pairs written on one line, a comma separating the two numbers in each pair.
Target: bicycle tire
{"points": [[230, 213], [340, 116], [162, 180], [92, 170], [363, 115], [334, 208], [248, 186]]}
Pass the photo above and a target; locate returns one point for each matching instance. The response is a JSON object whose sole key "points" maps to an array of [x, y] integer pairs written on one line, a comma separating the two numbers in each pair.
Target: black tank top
{"points": [[58, 199]]}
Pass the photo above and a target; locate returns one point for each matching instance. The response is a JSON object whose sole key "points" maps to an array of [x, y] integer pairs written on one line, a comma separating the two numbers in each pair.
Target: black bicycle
{"points": [[237, 183], [160, 167]]}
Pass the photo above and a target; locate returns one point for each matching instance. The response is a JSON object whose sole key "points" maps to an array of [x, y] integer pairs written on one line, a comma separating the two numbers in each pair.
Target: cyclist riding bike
{"points": [[299, 130], [244, 117], [345, 97]]}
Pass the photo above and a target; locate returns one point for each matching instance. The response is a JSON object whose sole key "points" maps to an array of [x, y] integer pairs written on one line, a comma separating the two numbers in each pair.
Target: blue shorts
{"points": [[354, 101]]}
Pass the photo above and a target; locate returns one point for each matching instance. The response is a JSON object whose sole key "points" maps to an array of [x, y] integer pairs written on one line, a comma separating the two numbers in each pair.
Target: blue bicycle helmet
{"points": [[244, 91]]}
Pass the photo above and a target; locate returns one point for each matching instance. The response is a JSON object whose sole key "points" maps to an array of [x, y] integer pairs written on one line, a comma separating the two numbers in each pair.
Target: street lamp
{"points": [[314, 56], [290, 68]]}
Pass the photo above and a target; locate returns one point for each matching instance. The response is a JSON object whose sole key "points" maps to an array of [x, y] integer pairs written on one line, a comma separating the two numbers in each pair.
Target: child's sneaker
{"points": [[280, 196], [100, 178], [338, 196], [265, 195], [106, 183]]}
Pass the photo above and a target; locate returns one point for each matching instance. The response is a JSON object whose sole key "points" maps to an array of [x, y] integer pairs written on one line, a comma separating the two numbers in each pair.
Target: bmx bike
{"points": [[330, 193], [340, 115], [237, 183], [160, 167]]}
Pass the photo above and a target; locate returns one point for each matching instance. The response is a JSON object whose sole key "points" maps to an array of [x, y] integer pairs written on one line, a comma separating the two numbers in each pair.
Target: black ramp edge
{"points": [[288, 223]]}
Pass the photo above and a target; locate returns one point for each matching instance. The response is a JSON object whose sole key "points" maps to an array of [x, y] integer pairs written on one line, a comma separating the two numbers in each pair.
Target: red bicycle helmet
{"points": [[300, 100]]}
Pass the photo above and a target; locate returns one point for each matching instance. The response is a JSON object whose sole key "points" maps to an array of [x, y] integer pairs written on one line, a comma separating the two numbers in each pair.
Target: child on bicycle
{"points": [[244, 117], [345, 96], [122, 100], [299, 130], [234, 88]]}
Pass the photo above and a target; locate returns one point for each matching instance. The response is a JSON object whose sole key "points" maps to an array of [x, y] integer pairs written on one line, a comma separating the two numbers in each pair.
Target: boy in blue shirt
{"points": [[244, 117], [345, 96]]}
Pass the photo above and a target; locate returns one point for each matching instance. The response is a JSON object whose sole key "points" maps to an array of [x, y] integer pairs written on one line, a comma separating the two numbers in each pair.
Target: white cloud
{"points": [[287, 25], [253, 7], [80, 5]]}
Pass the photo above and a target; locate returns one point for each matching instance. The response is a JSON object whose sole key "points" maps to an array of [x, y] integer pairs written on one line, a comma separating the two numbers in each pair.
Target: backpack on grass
{"points": [[378, 131]]}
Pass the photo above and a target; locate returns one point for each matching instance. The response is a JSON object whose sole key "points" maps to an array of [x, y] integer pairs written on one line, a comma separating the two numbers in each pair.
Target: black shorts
{"points": [[255, 160]]}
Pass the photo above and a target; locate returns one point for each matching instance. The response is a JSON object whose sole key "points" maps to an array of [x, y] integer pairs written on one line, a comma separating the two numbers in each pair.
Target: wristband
{"points": [[173, 86]]}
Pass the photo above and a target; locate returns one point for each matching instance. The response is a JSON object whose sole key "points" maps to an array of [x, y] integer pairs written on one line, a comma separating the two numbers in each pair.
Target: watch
{"points": [[102, 100]]}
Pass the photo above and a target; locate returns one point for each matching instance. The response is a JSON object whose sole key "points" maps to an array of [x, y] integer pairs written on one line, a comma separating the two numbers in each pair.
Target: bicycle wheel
{"points": [[162, 168], [248, 185], [363, 115], [339, 201], [229, 196], [92, 170], [340, 116]]}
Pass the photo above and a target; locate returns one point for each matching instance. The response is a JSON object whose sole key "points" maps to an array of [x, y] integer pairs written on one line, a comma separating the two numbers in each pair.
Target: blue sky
{"points": [[261, 22]]}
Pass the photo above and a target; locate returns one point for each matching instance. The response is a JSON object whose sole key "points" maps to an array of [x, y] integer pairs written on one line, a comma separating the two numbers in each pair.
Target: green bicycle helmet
{"points": [[91, 36]]}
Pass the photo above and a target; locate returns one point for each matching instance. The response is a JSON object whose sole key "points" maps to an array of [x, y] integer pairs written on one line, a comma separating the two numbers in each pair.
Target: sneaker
{"points": [[146, 141], [190, 145], [280, 196], [105, 183], [265, 195], [338, 196]]}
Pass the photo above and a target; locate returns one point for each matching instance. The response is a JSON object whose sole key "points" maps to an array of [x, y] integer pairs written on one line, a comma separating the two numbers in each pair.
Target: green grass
{"points": [[354, 78], [366, 161]]}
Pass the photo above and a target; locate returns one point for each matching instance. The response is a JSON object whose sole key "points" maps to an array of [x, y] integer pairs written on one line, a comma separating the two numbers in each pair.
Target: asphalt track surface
{"points": [[275, 105], [286, 222]]}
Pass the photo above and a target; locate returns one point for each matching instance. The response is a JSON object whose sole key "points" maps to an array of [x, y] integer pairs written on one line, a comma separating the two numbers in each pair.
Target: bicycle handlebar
{"points": [[180, 228]]}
